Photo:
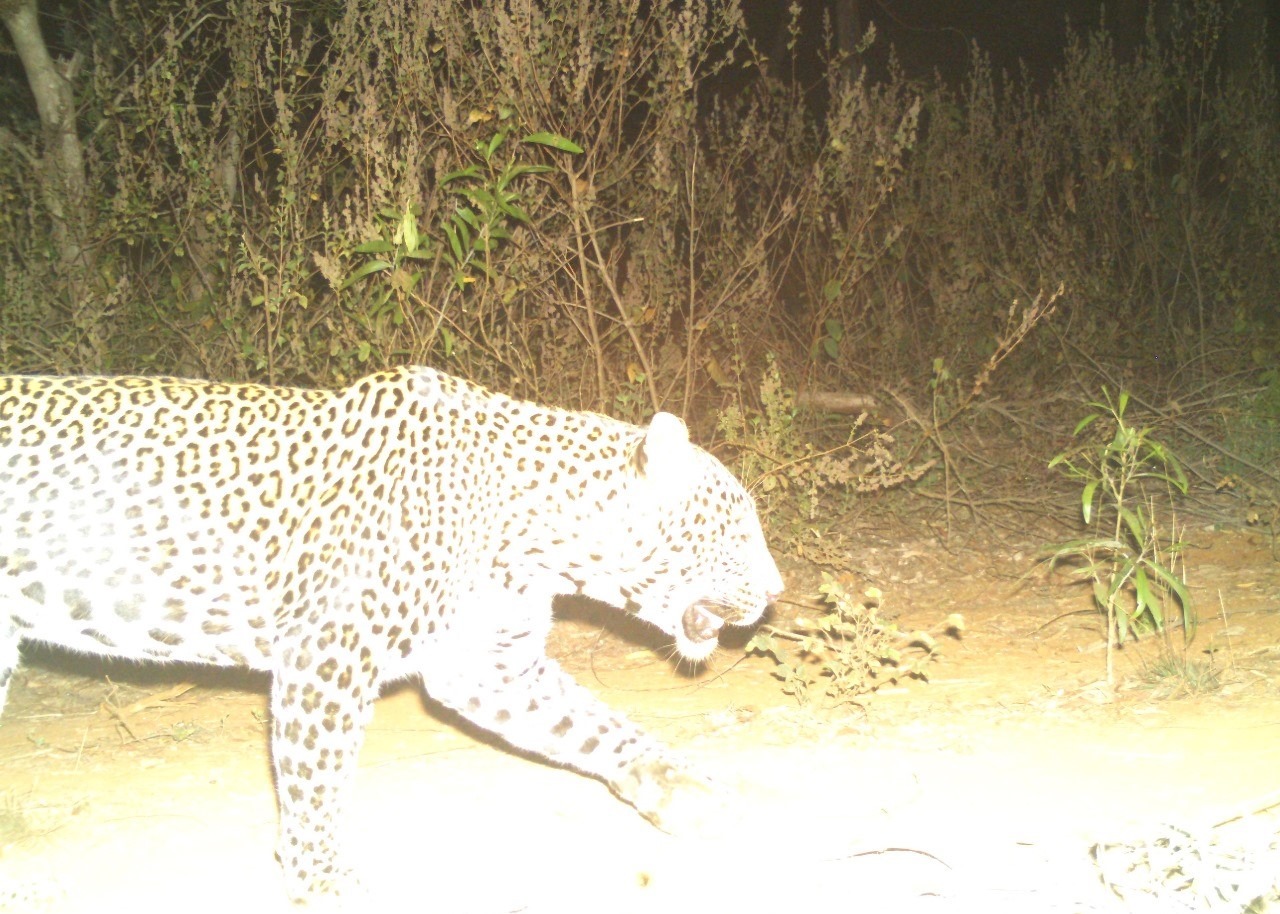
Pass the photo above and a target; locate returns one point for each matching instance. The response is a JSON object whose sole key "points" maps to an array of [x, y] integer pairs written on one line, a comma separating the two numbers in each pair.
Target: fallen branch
{"points": [[836, 401]]}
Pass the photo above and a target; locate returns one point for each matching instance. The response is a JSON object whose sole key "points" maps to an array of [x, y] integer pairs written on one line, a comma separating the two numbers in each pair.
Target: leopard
{"points": [[411, 525]]}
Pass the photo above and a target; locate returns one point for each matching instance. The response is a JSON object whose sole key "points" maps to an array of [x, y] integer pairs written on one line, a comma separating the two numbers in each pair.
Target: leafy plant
{"points": [[183, 730], [631, 403], [1173, 674], [486, 205], [847, 651], [1253, 428], [1134, 572]]}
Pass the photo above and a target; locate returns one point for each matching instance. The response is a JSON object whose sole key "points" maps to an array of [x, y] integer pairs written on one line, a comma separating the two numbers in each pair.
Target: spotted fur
{"points": [[410, 525]]}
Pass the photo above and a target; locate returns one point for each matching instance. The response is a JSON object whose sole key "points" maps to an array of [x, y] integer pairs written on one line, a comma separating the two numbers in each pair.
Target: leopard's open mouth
{"points": [[701, 623]]}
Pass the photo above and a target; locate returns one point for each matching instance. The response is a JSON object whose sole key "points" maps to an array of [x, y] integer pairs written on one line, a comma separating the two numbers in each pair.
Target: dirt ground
{"points": [[982, 789]]}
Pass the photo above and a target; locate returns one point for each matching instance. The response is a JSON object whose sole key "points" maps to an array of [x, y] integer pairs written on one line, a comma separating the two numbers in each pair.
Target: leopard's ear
{"points": [[665, 454]]}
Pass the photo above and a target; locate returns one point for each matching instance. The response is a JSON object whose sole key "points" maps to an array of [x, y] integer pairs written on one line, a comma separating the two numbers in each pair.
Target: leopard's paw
{"points": [[678, 800]]}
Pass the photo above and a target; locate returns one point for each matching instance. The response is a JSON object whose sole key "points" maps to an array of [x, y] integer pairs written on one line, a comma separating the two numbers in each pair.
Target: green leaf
{"points": [[1141, 591], [1086, 500], [1085, 423], [516, 171], [1119, 578], [454, 243], [761, 641], [1134, 522], [481, 197], [830, 347], [831, 289], [505, 179], [409, 229], [1170, 580], [1170, 464], [554, 140], [493, 145], [377, 246], [373, 266], [1146, 599], [464, 226], [1081, 547], [514, 211], [834, 329], [469, 172]]}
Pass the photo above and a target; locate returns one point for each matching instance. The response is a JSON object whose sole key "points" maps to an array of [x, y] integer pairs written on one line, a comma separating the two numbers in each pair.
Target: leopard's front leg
{"points": [[515, 691], [321, 701]]}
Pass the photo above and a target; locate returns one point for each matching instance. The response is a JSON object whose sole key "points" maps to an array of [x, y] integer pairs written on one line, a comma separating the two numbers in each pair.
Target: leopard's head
{"points": [[702, 559]]}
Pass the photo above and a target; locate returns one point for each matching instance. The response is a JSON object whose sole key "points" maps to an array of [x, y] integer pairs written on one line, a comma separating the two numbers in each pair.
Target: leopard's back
{"points": [[146, 517]]}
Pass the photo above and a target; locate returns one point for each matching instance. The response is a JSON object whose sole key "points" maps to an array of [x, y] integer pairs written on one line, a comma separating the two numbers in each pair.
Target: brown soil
{"points": [[981, 789]]}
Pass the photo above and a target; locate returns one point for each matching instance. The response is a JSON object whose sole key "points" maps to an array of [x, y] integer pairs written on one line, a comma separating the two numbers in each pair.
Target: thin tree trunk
{"points": [[81, 338], [63, 157], [848, 34]]}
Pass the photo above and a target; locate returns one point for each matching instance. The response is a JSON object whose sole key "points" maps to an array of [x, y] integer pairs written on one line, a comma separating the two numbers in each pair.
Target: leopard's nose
{"points": [[775, 586]]}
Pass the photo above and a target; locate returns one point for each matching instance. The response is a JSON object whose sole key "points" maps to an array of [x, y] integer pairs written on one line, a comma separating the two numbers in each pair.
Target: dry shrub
{"points": [[1145, 186], [244, 153], [305, 192]]}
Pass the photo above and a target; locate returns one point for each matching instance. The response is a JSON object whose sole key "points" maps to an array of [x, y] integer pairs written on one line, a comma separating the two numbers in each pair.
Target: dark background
{"points": [[938, 35]]}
